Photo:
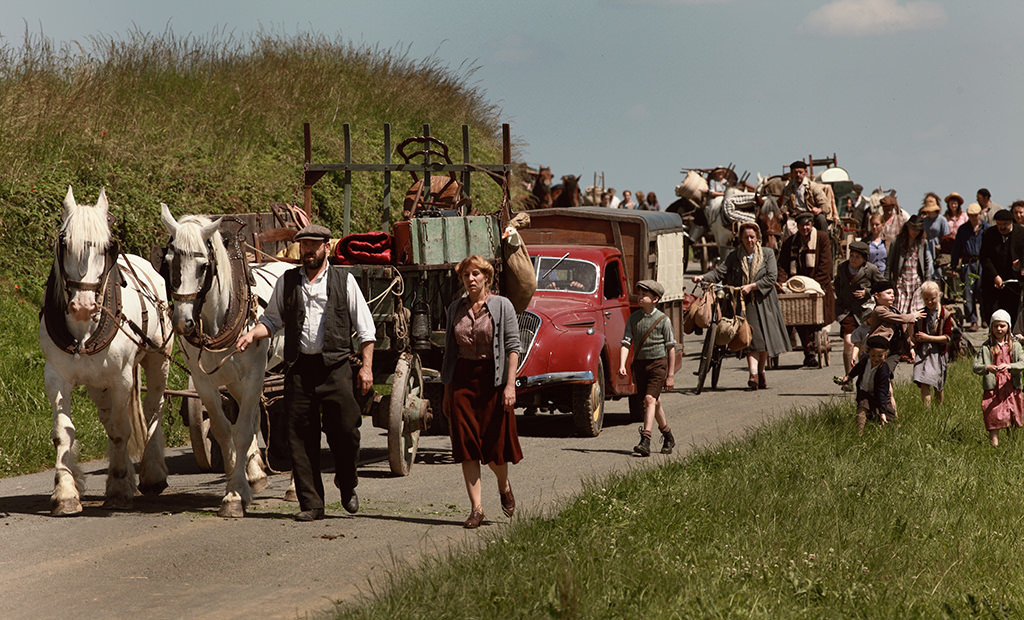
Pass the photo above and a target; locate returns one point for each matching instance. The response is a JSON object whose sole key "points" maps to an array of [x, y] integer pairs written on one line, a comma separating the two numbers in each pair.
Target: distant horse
{"points": [[214, 301], [567, 193], [540, 192], [773, 222], [103, 315]]}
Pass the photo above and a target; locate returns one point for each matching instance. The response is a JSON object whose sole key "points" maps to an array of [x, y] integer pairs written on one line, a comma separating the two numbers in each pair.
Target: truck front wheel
{"points": [[588, 405]]}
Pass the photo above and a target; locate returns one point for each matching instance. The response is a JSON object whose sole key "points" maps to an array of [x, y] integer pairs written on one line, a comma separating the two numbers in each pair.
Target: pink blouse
{"points": [[474, 333]]}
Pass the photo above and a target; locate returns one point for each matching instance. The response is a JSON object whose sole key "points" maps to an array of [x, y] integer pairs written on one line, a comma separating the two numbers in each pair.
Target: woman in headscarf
{"points": [[753, 269]]}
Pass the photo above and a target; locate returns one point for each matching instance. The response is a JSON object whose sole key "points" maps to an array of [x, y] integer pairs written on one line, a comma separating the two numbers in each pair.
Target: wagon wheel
{"points": [[205, 448], [405, 413]]}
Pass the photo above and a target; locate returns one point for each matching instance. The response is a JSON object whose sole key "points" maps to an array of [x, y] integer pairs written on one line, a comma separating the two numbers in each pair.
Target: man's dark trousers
{"points": [[312, 390]]}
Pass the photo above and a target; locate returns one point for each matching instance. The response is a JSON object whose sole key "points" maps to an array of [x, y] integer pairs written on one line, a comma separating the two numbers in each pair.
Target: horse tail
{"points": [[140, 430]]}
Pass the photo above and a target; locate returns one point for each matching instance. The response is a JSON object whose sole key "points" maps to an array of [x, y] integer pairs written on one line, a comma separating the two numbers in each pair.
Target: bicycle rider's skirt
{"points": [[480, 427]]}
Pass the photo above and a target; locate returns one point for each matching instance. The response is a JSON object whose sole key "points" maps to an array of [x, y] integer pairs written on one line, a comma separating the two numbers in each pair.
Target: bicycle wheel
{"points": [[716, 366], [706, 356]]}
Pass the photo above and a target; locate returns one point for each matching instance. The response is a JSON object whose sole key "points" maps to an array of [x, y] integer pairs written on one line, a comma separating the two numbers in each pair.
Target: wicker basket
{"points": [[693, 187], [802, 308]]}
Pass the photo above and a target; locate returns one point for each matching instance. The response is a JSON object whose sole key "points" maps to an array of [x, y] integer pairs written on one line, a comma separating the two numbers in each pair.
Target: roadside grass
{"points": [[25, 444], [800, 518]]}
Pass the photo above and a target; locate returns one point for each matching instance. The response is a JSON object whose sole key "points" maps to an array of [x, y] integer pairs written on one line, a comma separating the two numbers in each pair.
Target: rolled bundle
{"points": [[693, 187]]}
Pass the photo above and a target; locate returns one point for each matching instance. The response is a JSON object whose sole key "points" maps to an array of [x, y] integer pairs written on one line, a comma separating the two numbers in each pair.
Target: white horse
{"points": [[213, 303], [92, 338]]}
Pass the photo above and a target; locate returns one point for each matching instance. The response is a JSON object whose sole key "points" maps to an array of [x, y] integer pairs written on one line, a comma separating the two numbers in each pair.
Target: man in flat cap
{"points": [[809, 253], [1000, 277], [802, 195], [853, 282], [320, 307], [966, 260]]}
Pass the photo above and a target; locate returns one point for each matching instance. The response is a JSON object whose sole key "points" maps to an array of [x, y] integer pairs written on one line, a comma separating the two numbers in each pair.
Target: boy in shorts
{"points": [[650, 337]]}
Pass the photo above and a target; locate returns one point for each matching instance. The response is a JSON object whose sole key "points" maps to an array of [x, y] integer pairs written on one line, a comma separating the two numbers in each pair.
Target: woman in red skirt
{"points": [[481, 356]]}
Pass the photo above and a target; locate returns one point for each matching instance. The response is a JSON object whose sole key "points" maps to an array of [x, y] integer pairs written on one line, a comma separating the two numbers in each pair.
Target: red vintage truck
{"points": [[588, 261]]}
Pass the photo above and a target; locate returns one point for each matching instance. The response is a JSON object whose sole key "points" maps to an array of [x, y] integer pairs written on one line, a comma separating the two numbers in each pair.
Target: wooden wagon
{"points": [[409, 296]]}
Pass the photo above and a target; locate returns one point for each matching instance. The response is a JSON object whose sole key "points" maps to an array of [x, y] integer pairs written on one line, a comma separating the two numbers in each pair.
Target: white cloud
{"points": [[855, 18]]}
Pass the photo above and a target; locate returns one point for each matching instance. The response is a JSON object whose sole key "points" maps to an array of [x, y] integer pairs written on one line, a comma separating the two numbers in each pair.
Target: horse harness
{"points": [[241, 304], [59, 287]]}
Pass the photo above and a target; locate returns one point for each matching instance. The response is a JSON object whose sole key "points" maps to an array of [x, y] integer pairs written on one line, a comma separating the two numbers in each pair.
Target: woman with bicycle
{"points": [[752, 268]]}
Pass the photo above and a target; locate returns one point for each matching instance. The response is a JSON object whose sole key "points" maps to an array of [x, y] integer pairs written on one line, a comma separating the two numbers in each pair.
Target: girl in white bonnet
{"points": [[1000, 362]]}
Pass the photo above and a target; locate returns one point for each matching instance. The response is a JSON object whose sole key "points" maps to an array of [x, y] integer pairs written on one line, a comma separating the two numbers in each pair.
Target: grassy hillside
{"points": [[207, 125]]}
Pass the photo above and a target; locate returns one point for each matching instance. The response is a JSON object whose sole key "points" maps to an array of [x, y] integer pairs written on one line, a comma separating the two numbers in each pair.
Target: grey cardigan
{"points": [[506, 338], [984, 358]]}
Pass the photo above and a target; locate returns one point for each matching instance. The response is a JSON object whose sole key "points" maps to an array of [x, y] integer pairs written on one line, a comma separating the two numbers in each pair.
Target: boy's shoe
{"points": [[644, 447], [668, 442]]}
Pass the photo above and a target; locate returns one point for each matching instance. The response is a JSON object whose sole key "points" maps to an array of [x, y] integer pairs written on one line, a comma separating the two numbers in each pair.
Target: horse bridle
{"points": [[171, 270], [110, 253]]}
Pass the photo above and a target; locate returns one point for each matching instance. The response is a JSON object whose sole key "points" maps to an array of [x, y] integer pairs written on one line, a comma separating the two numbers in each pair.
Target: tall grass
{"points": [[207, 124], [213, 125], [802, 518]]}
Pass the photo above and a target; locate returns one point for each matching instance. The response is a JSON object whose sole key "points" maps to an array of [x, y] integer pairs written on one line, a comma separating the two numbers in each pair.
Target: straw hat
{"points": [[955, 196]]}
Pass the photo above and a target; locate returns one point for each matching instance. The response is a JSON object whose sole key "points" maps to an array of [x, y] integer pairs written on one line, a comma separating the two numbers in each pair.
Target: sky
{"points": [[911, 95]]}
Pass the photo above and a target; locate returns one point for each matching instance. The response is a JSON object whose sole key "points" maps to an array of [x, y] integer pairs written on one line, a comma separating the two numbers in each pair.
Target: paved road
{"points": [[172, 557]]}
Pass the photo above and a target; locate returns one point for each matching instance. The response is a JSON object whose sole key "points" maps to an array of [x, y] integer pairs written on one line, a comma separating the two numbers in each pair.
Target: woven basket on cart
{"points": [[693, 187], [802, 308]]}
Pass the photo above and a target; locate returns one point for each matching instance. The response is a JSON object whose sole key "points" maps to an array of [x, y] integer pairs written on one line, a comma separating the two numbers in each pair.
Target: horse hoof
{"points": [[291, 496], [117, 503], [66, 508], [259, 484], [155, 488], [231, 510]]}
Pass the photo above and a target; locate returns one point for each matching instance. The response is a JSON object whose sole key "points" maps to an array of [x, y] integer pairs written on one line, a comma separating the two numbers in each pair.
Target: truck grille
{"points": [[529, 324]]}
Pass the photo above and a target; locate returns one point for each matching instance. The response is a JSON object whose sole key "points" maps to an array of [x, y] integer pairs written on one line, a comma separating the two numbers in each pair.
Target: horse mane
{"points": [[84, 227], [189, 238]]}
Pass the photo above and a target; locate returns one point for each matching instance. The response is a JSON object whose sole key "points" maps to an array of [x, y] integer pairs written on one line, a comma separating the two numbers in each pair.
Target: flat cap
{"points": [[798, 165], [652, 286], [315, 232], [859, 246], [804, 216], [881, 285], [973, 209], [877, 342], [1003, 215]]}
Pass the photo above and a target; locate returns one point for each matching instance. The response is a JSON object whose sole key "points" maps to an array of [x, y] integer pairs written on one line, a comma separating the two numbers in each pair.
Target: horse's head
{"points": [[544, 175], [85, 254], [191, 262]]}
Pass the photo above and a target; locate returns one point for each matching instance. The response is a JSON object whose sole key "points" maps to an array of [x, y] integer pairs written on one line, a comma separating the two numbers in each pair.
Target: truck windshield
{"points": [[565, 274]]}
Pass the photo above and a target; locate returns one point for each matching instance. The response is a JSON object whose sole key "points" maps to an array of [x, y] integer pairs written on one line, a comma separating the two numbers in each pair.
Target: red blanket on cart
{"points": [[368, 248]]}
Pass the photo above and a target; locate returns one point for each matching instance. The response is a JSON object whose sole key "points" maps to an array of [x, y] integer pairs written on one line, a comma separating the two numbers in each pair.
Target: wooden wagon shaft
{"points": [[313, 172]]}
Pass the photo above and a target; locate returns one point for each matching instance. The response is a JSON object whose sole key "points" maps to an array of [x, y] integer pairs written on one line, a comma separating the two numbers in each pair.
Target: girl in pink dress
{"points": [[1000, 362]]}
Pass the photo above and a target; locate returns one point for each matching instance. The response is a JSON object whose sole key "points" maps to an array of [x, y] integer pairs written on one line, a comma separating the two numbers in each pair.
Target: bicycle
{"points": [[712, 354]]}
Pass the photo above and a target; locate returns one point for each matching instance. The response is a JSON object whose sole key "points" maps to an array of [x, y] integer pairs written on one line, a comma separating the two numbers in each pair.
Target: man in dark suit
{"points": [[1000, 278]]}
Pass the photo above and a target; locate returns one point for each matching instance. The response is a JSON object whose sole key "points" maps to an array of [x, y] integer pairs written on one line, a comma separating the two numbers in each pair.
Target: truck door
{"points": [[615, 310]]}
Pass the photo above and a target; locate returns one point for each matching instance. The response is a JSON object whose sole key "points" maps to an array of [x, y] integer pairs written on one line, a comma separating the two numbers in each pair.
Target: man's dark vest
{"points": [[337, 345]]}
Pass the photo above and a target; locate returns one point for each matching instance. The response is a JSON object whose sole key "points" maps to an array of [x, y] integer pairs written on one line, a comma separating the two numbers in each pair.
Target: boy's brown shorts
{"points": [[650, 376]]}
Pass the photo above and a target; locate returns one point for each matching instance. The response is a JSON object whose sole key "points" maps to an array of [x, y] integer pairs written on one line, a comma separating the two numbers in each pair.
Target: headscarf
{"points": [[751, 267]]}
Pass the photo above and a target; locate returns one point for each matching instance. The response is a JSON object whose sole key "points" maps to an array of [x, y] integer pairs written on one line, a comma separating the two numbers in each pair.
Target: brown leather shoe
{"points": [[508, 502], [475, 519]]}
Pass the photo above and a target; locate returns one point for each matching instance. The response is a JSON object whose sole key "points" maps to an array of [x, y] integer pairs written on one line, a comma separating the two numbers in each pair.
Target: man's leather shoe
{"points": [[475, 519], [350, 501], [313, 514]]}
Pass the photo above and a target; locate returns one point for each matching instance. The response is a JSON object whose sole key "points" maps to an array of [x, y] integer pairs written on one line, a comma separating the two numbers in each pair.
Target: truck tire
{"points": [[588, 405]]}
